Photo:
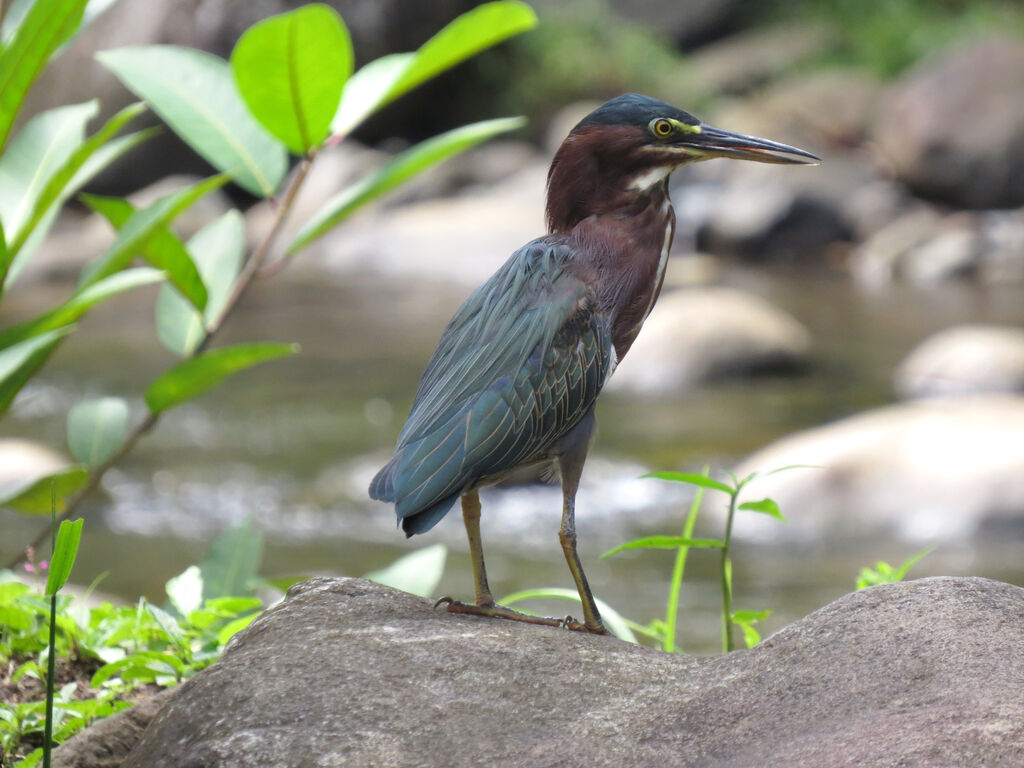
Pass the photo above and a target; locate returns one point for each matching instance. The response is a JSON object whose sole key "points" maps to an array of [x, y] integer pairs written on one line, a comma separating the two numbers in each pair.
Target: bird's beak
{"points": [[715, 142]]}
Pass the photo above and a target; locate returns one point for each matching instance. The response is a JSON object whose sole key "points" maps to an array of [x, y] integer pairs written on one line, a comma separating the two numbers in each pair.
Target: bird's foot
{"points": [[501, 612]]}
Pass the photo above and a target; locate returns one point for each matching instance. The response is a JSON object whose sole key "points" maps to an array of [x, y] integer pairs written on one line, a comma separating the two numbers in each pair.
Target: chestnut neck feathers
{"points": [[610, 199]]}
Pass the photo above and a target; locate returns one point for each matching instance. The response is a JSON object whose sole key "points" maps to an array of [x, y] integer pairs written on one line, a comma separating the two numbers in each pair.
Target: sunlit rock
{"points": [[943, 469], [964, 359], [905, 674], [698, 335]]}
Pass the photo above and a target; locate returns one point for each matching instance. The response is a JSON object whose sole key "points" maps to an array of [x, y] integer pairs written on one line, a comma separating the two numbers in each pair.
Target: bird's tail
{"points": [[382, 487]]}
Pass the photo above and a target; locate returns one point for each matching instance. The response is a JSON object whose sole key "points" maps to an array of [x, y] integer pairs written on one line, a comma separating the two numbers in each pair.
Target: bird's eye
{"points": [[662, 127]]}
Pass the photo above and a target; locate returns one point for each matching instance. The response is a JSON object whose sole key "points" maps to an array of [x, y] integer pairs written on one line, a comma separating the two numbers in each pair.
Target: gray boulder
{"points": [[941, 469], [924, 247], [349, 673], [964, 359], [699, 335], [953, 128]]}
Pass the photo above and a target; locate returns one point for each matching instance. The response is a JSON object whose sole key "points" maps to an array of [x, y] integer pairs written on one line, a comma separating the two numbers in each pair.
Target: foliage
{"points": [[883, 573], [887, 37], [289, 88], [117, 648], [663, 631]]}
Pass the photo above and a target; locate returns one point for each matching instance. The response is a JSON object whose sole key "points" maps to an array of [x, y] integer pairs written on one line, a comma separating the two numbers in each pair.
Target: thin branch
{"points": [[245, 279]]}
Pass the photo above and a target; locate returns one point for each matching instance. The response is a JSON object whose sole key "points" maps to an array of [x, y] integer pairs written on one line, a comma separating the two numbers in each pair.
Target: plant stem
{"points": [[672, 608], [51, 657], [727, 642], [242, 283]]}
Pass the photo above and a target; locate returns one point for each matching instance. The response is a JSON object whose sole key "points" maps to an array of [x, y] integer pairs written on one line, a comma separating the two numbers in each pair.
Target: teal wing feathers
{"points": [[520, 363]]}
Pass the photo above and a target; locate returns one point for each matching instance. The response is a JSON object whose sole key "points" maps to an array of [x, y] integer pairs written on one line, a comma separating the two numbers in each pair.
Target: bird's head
{"points": [[631, 144]]}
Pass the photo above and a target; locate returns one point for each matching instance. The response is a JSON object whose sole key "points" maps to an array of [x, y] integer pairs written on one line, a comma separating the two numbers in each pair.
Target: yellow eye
{"points": [[662, 127]]}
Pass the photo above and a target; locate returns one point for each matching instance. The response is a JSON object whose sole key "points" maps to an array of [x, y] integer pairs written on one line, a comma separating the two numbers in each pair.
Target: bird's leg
{"points": [[485, 605], [471, 517], [571, 466]]}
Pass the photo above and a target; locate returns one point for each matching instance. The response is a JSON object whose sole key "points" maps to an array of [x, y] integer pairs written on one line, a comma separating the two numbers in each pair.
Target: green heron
{"points": [[514, 379]]}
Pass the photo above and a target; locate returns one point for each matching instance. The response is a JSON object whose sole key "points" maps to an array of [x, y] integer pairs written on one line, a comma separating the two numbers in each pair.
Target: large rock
{"points": [[924, 247], [939, 469], [348, 673], [699, 335], [953, 128], [964, 359]]}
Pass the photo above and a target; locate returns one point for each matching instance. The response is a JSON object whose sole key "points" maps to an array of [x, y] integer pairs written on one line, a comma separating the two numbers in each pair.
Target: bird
{"points": [[518, 369]]}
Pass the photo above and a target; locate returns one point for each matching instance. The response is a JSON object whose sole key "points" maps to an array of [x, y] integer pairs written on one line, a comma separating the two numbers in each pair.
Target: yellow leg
{"points": [[567, 536], [485, 605]]}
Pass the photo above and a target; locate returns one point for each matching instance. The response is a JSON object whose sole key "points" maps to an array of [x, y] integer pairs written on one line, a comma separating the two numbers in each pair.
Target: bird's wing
{"points": [[518, 366]]}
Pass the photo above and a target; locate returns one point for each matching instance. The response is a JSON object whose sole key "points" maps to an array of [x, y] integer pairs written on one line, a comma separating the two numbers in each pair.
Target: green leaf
{"points": [[290, 70], [692, 478], [232, 562], [217, 250], [35, 498], [232, 628], [400, 169], [145, 226], [765, 506], [788, 467], [19, 361], [665, 542], [40, 148], [96, 429], [367, 89], [195, 94], [162, 249], [56, 187], [193, 377], [64, 553], [613, 620], [45, 27], [750, 617], [417, 573], [470, 33], [79, 304]]}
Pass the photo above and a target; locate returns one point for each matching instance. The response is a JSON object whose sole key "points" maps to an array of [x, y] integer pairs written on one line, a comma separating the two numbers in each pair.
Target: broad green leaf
{"points": [[290, 70], [34, 499], [185, 590], [195, 94], [692, 478], [38, 150], [401, 168], [55, 189], [96, 429], [232, 628], [44, 28], [665, 542], [613, 620], [193, 377], [19, 361], [232, 562], [162, 249], [79, 304], [367, 90], [765, 506], [100, 159], [417, 573], [64, 553], [142, 227], [217, 250], [470, 33]]}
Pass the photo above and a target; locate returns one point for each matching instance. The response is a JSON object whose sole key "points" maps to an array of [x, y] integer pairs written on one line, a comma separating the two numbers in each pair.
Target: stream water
{"points": [[295, 443]]}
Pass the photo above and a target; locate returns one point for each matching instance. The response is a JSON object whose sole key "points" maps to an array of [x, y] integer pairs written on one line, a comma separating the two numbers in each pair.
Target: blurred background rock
{"points": [[796, 298]]}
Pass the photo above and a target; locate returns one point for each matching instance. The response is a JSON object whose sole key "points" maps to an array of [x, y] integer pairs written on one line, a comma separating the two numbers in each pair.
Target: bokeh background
{"points": [[865, 316]]}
